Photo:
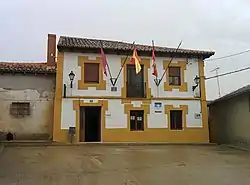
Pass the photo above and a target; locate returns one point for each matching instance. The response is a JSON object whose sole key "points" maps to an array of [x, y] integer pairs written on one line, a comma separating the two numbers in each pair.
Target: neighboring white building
{"points": [[134, 109]]}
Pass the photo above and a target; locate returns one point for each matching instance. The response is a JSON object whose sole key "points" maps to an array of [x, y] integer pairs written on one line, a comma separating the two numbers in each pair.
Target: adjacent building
{"points": [[229, 118], [27, 98], [124, 106]]}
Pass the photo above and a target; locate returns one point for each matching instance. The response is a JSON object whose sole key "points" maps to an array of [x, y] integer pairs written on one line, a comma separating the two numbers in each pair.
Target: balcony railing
{"points": [[136, 90]]}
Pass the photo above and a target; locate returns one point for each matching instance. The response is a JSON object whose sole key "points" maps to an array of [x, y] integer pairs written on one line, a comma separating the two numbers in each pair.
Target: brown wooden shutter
{"points": [[174, 71], [91, 73]]}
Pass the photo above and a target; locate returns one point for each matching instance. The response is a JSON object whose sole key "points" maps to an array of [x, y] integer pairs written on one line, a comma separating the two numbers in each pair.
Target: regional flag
{"points": [[104, 62], [155, 72], [136, 60]]}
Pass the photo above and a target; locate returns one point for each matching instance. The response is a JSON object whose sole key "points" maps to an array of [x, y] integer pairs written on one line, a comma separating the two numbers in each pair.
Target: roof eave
{"points": [[127, 51]]}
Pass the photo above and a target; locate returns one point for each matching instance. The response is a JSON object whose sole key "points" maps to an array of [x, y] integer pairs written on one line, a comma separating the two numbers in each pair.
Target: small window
{"points": [[136, 120], [176, 120], [174, 76], [20, 109], [91, 73]]}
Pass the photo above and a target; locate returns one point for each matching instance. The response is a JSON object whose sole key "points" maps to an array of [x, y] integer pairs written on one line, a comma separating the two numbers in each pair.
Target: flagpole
{"points": [[153, 45], [168, 65], [106, 62], [156, 76], [124, 62]]}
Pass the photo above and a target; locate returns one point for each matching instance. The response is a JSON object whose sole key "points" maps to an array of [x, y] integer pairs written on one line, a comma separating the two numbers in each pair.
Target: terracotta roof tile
{"points": [[24, 67], [86, 43]]}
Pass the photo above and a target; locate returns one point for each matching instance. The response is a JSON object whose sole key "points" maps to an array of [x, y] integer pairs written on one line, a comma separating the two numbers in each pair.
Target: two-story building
{"points": [[124, 106]]}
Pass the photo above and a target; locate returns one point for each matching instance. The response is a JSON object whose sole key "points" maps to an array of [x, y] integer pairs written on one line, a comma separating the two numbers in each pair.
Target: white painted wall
{"points": [[160, 120], [71, 64], [116, 118], [68, 114], [114, 61]]}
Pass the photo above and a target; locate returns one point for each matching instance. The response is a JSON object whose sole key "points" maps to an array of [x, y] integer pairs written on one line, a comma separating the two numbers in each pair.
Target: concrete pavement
{"points": [[97, 164]]}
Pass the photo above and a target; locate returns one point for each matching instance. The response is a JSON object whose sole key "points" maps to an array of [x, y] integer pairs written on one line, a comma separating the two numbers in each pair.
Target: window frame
{"points": [[183, 87], [171, 113], [142, 92], [20, 109], [98, 77], [184, 109], [137, 114], [170, 76], [84, 86]]}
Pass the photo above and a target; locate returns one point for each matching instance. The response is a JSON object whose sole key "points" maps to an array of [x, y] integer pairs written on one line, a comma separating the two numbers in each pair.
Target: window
{"points": [[174, 75], [20, 109], [91, 73], [176, 119], [135, 83], [136, 120]]}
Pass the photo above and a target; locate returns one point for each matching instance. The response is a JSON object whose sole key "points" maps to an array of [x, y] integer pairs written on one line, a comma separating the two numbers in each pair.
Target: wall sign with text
{"points": [[158, 107]]}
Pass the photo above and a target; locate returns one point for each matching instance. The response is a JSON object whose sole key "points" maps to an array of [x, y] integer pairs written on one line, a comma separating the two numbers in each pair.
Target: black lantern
{"points": [[196, 81], [71, 78]]}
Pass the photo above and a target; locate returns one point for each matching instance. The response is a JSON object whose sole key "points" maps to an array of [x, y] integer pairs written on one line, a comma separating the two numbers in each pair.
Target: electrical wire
{"points": [[228, 73], [228, 56]]}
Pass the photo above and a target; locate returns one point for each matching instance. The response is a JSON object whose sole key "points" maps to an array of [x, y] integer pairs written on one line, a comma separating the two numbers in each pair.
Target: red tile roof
{"points": [[83, 44], [24, 67]]}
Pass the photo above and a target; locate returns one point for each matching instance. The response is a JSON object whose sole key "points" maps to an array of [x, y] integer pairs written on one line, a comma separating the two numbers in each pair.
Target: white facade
{"points": [[116, 117]]}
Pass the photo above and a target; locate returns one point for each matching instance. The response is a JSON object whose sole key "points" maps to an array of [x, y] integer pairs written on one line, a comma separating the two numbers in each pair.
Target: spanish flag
{"points": [[136, 60]]}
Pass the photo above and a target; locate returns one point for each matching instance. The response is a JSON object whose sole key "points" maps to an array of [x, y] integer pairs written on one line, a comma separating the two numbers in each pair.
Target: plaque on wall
{"points": [[158, 107], [197, 116]]}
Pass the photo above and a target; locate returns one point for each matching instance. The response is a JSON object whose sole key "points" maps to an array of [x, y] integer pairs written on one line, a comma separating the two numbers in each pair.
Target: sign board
{"points": [[108, 114], [113, 89], [158, 107], [197, 116], [72, 130]]}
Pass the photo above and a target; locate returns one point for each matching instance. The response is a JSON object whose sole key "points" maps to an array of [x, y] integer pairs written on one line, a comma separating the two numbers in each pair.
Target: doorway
{"points": [[90, 124]]}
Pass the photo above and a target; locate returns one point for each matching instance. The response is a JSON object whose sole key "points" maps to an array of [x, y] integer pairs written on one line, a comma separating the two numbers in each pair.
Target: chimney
{"points": [[51, 50]]}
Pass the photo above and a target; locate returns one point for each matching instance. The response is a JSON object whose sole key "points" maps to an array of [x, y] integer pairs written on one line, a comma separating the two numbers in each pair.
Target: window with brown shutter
{"points": [[91, 73], [174, 75]]}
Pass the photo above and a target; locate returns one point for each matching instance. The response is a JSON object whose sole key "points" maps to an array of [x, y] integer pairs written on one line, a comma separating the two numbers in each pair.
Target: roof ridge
{"points": [[86, 42], [234, 93]]}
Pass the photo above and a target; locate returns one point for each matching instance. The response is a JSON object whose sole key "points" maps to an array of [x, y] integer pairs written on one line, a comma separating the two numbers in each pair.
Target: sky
{"points": [[221, 26]]}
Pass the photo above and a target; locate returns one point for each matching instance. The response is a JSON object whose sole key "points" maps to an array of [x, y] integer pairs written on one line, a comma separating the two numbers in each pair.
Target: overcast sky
{"points": [[218, 25]]}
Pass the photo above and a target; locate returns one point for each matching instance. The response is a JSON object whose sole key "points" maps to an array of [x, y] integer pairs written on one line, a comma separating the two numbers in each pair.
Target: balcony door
{"points": [[135, 82]]}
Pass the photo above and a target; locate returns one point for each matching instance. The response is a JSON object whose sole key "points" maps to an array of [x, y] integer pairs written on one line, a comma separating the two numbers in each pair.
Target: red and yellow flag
{"points": [[155, 72], [136, 60]]}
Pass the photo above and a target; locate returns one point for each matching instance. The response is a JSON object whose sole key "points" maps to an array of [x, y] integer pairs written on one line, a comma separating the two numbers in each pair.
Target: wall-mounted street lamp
{"points": [[196, 81], [71, 78]]}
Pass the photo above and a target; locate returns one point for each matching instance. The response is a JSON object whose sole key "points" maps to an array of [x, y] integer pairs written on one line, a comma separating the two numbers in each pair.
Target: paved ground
{"points": [[130, 165]]}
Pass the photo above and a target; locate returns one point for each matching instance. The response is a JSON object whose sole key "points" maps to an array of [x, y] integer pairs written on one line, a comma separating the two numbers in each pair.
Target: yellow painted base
{"points": [[190, 135]]}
